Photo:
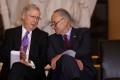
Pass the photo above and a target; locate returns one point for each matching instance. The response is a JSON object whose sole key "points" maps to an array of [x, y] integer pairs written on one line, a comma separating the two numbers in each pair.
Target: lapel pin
{"points": [[74, 36]]}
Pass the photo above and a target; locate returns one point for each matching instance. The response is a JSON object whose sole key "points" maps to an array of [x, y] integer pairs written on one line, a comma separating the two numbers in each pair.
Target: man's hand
{"points": [[54, 60], [80, 64], [22, 54], [29, 63], [24, 62]]}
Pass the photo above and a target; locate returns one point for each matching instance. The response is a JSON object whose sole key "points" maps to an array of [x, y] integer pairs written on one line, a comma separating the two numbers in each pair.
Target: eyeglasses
{"points": [[53, 24], [35, 17]]}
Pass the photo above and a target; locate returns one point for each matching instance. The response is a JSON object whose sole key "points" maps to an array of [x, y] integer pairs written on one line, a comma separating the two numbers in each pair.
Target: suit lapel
{"points": [[32, 44], [74, 38], [18, 34], [60, 41]]}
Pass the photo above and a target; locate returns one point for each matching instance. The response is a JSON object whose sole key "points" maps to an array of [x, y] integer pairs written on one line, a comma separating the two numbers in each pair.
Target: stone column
{"points": [[5, 14], [80, 10]]}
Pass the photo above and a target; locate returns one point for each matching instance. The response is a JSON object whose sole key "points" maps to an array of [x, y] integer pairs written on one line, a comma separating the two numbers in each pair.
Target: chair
{"points": [[110, 50], [0, 68]]}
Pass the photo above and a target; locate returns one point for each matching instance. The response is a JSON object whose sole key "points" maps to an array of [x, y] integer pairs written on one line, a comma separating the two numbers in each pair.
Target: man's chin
{"points": [[59, 33], [31, 28]]}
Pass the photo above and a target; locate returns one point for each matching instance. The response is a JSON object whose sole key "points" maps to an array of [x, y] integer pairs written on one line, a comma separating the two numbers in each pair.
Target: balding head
{"points": [[63, 13], [61, 21]]}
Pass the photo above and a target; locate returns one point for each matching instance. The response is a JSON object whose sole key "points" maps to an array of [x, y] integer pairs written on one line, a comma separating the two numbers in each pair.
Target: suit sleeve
{"points": [[84, 44], [83, 52], [7, 46], [51, 51]]}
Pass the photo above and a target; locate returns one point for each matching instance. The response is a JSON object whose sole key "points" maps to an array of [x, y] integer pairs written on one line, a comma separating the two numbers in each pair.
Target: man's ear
{"points": [[23, 16]]}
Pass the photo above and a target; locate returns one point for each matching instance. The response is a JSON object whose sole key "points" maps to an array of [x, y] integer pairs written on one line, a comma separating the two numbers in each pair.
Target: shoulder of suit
{"points": [[80, 30], [40, 31], [11, 30], [55, 35], [14, 29]]}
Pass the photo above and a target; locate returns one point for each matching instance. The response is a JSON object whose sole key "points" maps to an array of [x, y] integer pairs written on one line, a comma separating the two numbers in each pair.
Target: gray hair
{"points": [[63, 13], [30, 7]]}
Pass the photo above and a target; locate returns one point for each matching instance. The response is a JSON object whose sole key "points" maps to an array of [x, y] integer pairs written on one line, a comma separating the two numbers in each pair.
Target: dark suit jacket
{"points": [[80, 40], [37, 51]]}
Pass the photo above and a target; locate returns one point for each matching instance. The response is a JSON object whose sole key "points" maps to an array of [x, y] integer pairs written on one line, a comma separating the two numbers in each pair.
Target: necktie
{"points": [[66, 42], [24, 46]]}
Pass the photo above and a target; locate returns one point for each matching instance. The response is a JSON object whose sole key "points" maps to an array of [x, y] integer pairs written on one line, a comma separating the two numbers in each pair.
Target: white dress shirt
{"points": [[29, 38]]}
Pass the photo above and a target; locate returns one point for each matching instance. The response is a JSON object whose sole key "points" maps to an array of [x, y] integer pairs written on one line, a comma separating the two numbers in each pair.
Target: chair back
{"points": [[110, 50]]}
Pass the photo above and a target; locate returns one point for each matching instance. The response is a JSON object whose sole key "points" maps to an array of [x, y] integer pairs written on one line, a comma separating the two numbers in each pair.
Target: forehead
{"points": [[56, 15], [31, 11]]}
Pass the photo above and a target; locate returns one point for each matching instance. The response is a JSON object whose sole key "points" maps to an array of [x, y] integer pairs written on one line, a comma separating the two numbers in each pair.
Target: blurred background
{"points": [[104, 24]]}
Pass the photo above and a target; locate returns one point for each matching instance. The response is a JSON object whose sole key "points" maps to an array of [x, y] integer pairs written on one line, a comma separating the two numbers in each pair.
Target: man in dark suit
{"points": [[33, 58], [69, 58]]}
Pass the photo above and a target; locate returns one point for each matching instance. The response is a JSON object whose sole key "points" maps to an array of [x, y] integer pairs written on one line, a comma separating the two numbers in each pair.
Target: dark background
{"points": [[99, 24]]}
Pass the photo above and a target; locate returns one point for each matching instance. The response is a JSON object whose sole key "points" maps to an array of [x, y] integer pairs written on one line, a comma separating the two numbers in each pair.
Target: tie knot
{"points": [[27, 32], [67, 44], [65, 36]]}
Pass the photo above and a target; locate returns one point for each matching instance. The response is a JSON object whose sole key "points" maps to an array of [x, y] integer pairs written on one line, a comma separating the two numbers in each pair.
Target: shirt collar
{"points": [[69, 33], [24, 31]]}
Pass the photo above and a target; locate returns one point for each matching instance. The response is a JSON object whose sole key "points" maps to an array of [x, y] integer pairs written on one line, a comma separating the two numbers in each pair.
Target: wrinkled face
{"points": [[59, 23], [31, 19]]}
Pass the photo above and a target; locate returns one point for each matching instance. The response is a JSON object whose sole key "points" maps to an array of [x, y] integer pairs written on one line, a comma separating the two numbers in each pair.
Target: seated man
{"points": [[69, 49], [31, 45]]}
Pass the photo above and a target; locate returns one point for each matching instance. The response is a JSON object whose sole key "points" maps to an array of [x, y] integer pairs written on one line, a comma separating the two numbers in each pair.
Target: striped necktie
{"points": [[67, 44], [24, 46]]}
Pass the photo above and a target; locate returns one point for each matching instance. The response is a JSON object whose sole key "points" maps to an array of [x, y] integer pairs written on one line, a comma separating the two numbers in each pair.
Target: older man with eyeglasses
{"points": [[30, 44], [69, 50]]}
